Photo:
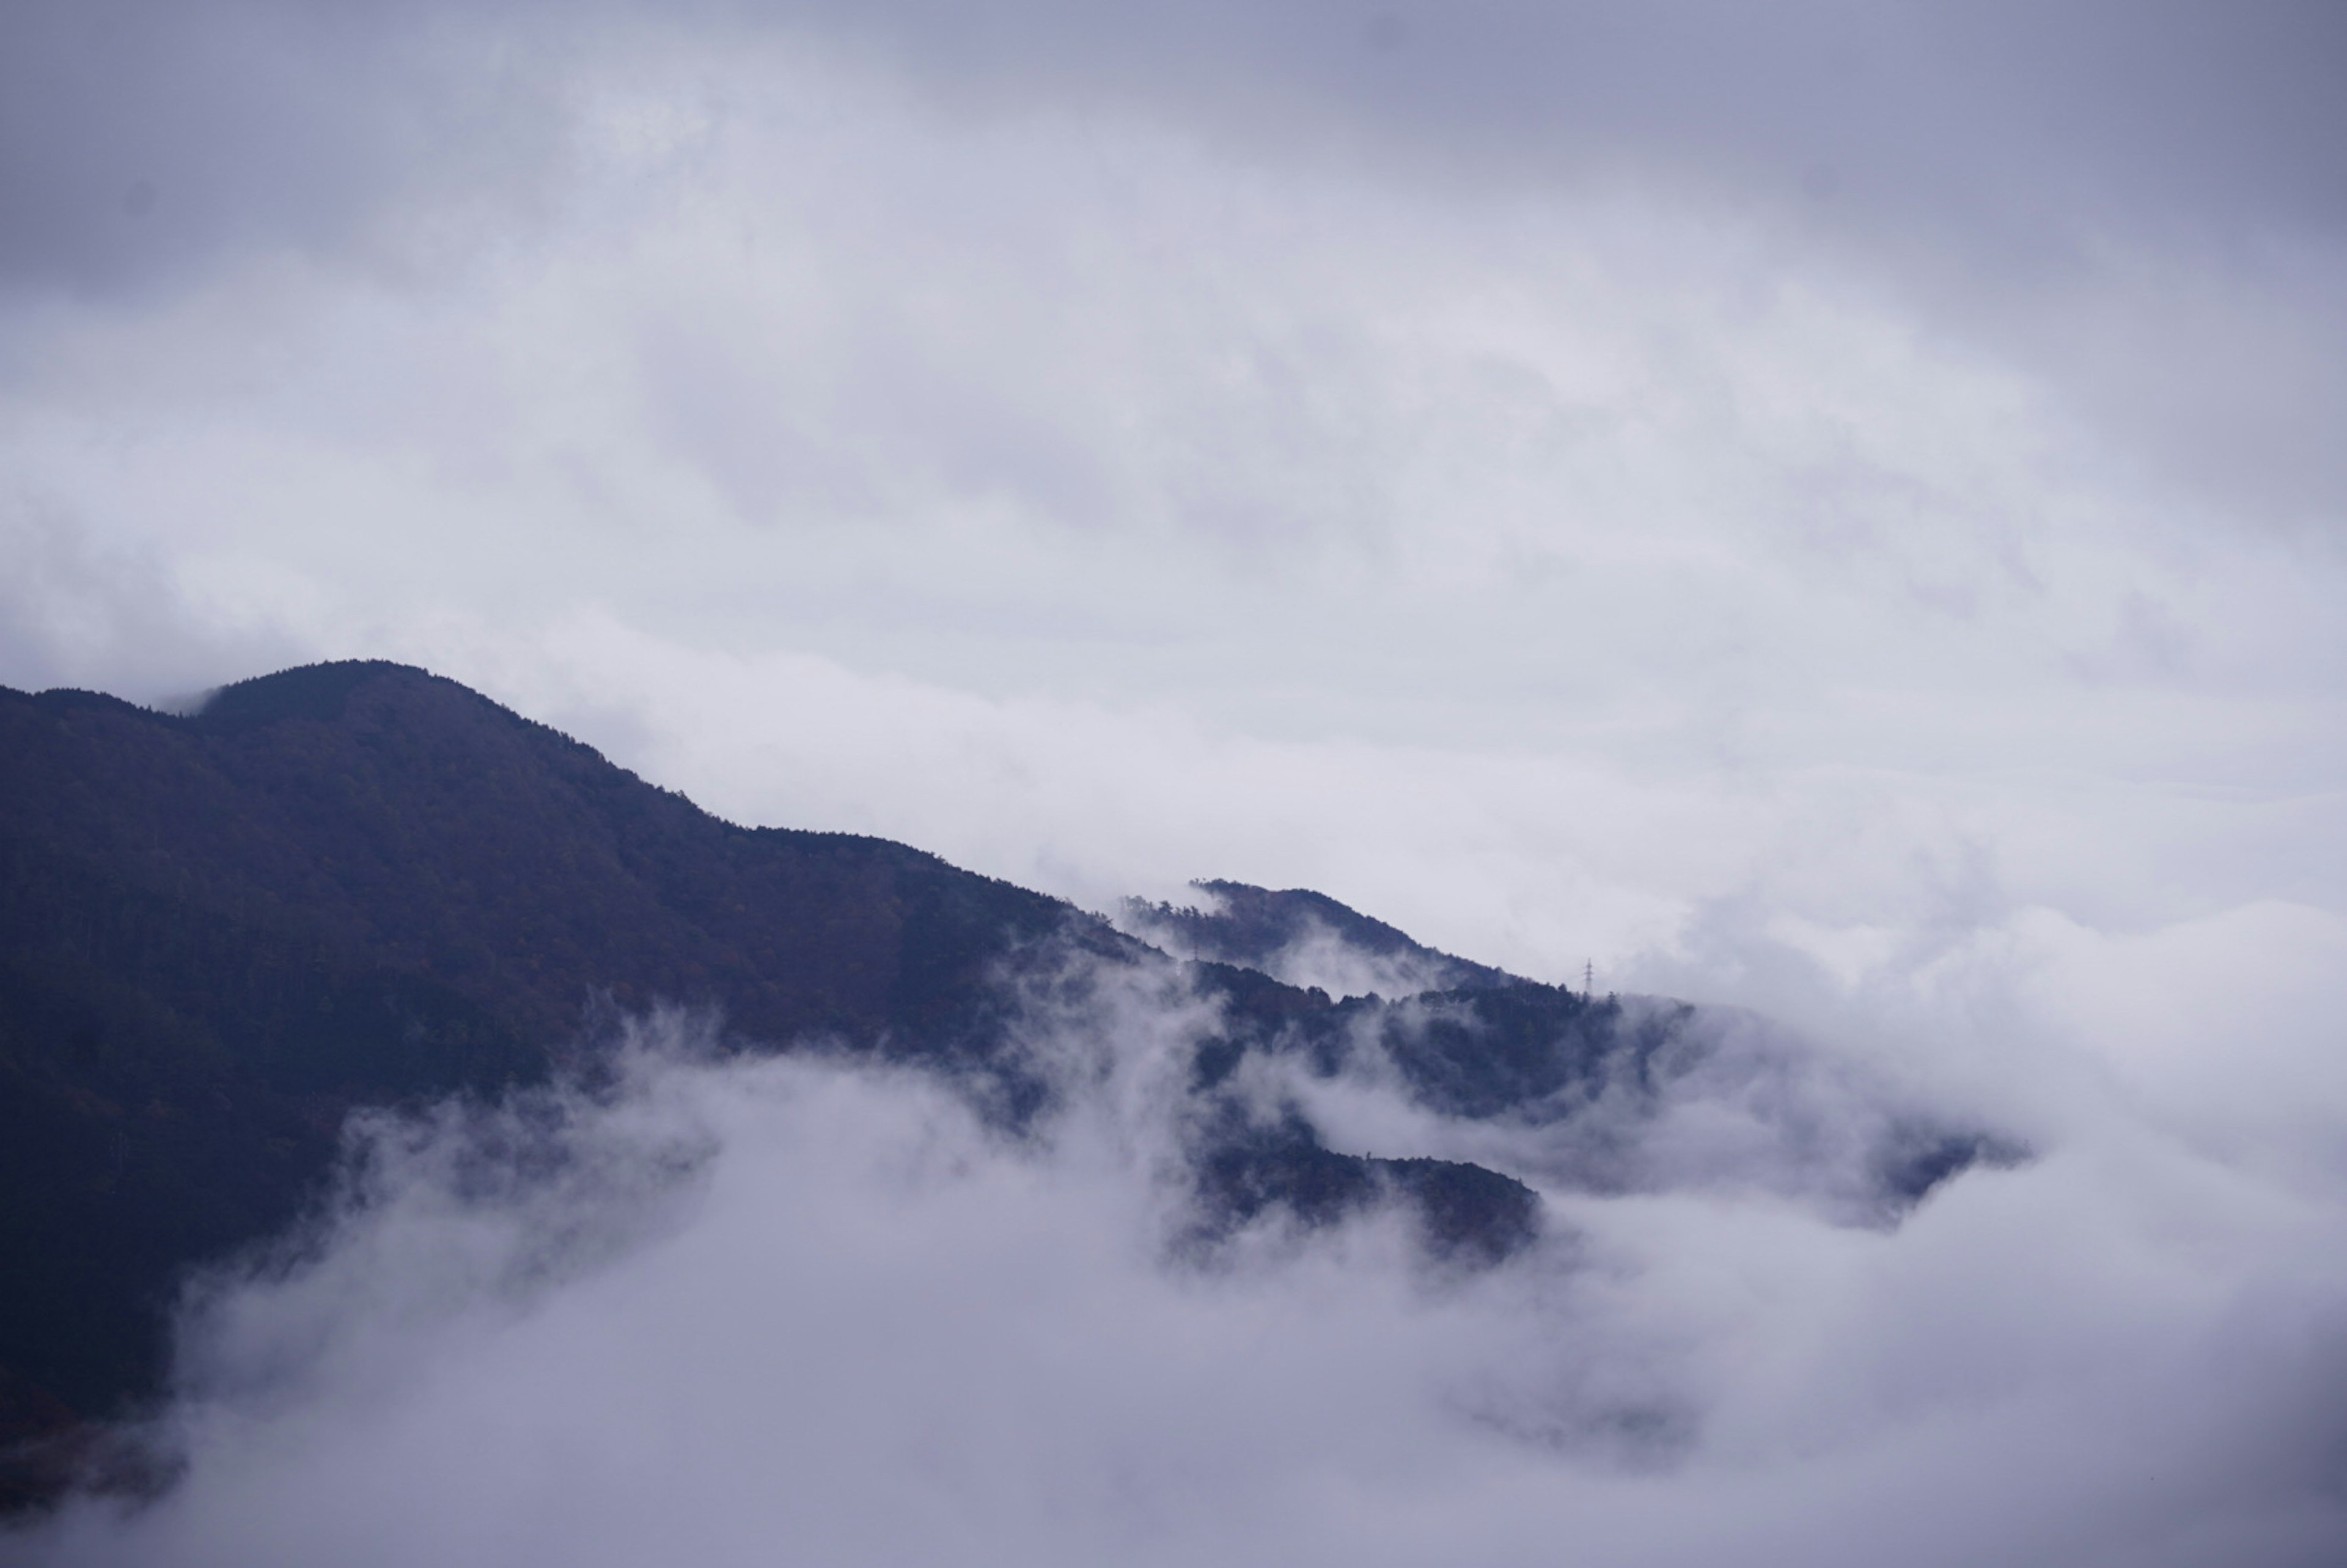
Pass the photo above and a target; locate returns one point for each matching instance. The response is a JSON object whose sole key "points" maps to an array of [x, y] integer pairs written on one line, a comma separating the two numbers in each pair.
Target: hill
{"points": [[362, 884]]}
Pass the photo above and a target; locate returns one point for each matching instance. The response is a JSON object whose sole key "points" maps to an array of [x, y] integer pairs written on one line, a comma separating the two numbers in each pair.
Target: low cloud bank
{"points": [[742, 1310]]}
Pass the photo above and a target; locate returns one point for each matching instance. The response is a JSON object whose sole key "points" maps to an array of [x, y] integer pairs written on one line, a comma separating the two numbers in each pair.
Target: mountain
{"points": [[1305, 938], [361, 885]]}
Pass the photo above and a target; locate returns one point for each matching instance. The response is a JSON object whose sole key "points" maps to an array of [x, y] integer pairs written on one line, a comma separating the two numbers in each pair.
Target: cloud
{"points": [[784, 336], [74, 604], [2134, 201], [729, 1308], [1531, 575], [144, 144]]}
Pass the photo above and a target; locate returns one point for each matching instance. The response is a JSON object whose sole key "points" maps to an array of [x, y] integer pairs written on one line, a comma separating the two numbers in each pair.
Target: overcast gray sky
{"points": [[1831, 506], [1604, 407]]}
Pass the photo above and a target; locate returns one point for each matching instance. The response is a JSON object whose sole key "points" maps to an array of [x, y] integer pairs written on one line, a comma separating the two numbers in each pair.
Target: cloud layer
{"points": [[732, 1310], [793, 401]]}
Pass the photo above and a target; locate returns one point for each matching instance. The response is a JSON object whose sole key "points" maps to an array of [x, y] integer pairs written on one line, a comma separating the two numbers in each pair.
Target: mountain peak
{"points": [[316, 692]]}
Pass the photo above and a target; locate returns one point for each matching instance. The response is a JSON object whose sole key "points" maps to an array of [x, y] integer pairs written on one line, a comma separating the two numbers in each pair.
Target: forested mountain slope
{"points": [[362, 884]]}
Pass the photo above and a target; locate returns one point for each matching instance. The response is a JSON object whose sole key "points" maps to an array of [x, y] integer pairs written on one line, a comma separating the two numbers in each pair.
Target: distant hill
{"points": [[1305, 938], [360, 884]]}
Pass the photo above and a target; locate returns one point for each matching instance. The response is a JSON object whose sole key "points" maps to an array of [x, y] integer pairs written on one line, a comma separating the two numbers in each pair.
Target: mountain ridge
{"points": [[361, 885]]}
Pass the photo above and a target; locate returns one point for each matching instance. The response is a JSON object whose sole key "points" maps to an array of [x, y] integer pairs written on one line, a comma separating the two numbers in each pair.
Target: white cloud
{"points": [[1620, 554], [783, 1307]]}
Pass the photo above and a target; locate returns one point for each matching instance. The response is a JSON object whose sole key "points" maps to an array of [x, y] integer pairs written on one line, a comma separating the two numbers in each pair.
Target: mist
{"points": [[725, 1308]]}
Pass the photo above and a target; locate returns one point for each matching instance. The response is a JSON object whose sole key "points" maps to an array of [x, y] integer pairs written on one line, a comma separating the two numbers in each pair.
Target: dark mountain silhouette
{"points": [[359, 885]]}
